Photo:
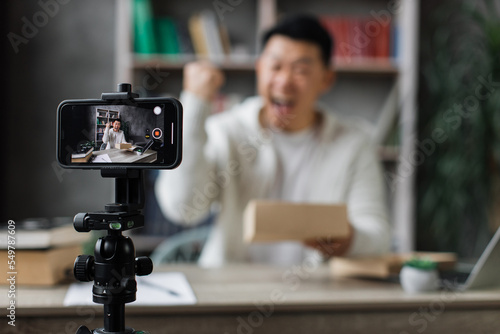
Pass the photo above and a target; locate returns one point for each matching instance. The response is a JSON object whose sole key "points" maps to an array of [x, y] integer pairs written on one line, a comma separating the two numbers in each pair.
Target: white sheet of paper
{"points": [[170, 288], [102, 158]]}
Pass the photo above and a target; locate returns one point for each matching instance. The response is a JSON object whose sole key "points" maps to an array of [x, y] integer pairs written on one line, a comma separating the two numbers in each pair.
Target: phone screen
{"points": [[146, 133]]}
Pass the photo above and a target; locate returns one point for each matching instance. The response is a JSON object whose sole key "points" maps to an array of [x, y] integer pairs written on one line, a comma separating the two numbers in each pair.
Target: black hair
{"points": [[117, 119], [303, 27]]}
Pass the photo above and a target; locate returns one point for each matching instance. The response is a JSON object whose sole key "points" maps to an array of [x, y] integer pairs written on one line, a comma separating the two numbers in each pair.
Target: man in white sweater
{"points": [[113, 136], [278, 145]]}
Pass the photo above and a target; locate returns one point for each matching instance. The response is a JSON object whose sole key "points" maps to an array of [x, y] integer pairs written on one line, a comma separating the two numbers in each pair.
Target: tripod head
{"points": [[125, 213]]}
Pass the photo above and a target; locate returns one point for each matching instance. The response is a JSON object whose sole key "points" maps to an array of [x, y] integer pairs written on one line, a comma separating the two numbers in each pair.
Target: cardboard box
{"points": [[40, 267], [123, 146], [278, 221], [385, 266]]}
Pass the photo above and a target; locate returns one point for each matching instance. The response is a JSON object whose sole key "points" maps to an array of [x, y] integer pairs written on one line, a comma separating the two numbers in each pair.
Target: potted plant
{"points": [[419, 275]]}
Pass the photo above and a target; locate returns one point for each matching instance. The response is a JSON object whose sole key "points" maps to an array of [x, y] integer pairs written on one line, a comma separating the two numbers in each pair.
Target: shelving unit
{"points": [[103, 116], [370, 78], [368, 66]]}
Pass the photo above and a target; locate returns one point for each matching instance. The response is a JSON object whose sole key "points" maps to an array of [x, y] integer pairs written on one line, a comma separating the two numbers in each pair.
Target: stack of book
{"points": [[387, 265], [40, 251], [82, 156]]}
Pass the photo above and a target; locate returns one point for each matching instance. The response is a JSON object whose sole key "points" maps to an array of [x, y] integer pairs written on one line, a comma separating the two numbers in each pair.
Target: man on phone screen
{"points": [[113, 136]]}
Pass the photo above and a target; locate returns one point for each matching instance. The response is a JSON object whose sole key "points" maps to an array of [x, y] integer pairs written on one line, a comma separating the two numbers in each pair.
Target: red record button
{"points": [[157, 133]]}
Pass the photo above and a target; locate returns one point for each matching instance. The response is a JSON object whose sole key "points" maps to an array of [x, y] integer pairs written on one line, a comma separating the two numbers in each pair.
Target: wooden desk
{"points": [[124, 156], [259, 299]]}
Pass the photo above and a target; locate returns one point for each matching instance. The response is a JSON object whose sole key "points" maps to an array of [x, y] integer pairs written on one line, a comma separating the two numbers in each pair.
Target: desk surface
{"points": [[124, 156], [294, 294]]}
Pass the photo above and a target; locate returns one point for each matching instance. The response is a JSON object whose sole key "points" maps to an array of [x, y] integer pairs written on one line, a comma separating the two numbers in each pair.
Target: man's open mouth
{"points": [[282, 107]]}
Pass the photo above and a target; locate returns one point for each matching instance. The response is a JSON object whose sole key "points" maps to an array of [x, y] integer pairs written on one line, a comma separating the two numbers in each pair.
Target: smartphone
{"points": [[141, 133]]}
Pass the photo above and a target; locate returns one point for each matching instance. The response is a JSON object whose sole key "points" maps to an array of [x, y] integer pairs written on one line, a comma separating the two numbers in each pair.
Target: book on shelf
{"points": [[196, 33], [106, 114], [359, 38], [168, 42], [102, 113], [144, 27], [173, 37], [210, 39], [82, 156], [185, 44], [212, 34], [394, 41]]}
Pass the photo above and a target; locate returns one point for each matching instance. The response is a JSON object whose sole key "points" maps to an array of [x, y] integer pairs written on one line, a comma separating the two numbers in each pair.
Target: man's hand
{"points": [[332, 246], [108, 125], [202, 79]]}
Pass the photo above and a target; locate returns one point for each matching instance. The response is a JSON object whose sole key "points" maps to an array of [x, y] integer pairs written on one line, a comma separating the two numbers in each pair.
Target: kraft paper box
{"points": [[40, 267], [123, 146], [277, 221]]}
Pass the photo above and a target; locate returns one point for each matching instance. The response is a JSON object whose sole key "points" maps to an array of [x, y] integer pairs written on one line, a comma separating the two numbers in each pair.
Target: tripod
{"points": [[114, 266]]}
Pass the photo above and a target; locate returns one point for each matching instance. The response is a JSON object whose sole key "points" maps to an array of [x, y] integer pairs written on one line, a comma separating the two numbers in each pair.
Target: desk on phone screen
{"points": [[124, 156], [262, 299]]}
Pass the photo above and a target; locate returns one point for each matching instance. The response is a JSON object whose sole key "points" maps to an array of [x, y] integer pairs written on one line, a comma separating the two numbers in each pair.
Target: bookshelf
{"points": [[373, 78], [102, 117]]}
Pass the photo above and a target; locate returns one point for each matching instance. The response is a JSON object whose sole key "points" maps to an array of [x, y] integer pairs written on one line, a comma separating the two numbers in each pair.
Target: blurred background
{"points": [[441, 56]]}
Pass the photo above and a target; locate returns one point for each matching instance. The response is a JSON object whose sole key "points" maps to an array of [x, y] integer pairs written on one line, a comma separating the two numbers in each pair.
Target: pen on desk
{"points": [[159, 287]]}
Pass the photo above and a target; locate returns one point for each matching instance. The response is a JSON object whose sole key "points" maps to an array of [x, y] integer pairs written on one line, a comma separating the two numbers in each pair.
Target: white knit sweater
{"points": [[111, 138], [229, 159]]}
